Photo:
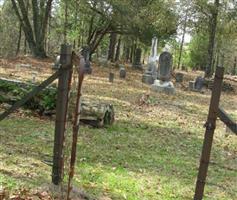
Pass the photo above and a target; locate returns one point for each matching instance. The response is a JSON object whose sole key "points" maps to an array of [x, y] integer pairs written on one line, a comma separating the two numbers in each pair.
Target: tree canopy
{"points": [[117, 27]]}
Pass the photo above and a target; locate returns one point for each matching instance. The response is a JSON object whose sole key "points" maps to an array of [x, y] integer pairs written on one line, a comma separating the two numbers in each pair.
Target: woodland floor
{"points": [[151, 152]]}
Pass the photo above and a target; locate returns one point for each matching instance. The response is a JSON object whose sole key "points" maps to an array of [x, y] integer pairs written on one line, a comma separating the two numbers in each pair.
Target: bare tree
{"points": [[35, 34]]}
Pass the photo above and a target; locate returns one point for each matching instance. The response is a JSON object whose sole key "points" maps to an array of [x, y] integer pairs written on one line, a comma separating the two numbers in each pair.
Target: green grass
{"points": [[124, 161]]}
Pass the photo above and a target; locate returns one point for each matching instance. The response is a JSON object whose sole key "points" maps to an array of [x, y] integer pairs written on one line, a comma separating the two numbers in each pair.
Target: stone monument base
{"points": [[163, 86], [148, 79]]}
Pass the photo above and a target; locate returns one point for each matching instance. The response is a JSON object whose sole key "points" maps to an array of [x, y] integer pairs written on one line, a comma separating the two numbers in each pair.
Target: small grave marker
{"points": [[122, 73], [111, 77]]}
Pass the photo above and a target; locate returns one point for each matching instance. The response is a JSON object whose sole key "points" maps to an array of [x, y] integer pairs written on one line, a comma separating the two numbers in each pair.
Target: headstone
{"points": [[199, 82], [197, 85], [85, 52], [111, 77], [165, 66], [151, 72], [163, 84], [179, 77], [122, 73], [137, 59]]}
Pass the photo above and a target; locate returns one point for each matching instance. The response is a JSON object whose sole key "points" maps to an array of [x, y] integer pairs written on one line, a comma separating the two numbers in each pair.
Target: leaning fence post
{"points": [[210, 128], [61, 111]]}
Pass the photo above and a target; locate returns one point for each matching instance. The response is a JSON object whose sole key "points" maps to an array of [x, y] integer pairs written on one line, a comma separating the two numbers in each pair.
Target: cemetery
{"points": [[103, 100]]}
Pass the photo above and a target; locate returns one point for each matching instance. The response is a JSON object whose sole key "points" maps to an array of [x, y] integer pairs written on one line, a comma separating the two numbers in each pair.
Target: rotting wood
{"points": [[64, 83], [76, 120], [210, 128], [227, 120]]}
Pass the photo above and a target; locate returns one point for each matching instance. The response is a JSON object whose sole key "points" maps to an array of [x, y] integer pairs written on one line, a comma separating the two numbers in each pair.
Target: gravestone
{"points": [[137, 59], [122, 72], [165, 66], [111, 77], [179, 77], [199, 83], [151, 72], [85, 52], [163, 84]]}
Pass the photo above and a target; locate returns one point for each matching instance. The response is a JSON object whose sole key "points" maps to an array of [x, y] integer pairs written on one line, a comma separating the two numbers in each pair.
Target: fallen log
{"points": [[96, 114]]}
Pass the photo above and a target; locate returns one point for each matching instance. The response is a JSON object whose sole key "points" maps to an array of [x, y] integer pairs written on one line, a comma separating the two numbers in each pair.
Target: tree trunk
{"points": [[117, 55], [134, 51], [25, 46], [98, 36], [212, 34], [131, 52], [65, 21], [127, 53], [47, 40], [35, 34], [19, 40], [112, 43], [182, 41]]}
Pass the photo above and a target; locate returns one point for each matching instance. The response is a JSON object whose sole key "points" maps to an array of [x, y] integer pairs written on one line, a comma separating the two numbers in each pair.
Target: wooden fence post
{"points": [[61, 111], [210, 128]]}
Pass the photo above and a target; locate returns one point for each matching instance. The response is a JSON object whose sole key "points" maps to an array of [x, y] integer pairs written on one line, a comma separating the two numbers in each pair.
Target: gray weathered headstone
{"points": [[137, 59], [199, 82], [165, 66], [179, 77], [111, 77], [163, 84], [122, 73]]}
